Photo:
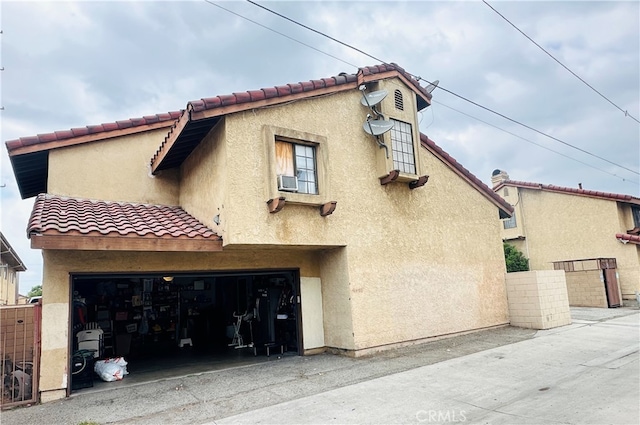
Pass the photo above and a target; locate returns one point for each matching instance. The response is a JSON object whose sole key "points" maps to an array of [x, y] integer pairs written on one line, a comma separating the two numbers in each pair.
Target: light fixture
{"points": [[167, 278]]}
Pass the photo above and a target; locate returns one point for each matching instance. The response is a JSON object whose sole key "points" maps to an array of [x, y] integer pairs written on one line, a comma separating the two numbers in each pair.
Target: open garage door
{"points": [[182, 323]]}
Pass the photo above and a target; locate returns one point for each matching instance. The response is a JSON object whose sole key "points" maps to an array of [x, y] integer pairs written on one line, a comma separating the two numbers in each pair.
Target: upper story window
{"points": [[399, 102], [402, 147], [296, 167], [635, 211], [510, 223]]}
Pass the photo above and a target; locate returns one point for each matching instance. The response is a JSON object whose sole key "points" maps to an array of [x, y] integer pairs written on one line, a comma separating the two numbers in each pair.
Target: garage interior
{"points": [[174, 324]]}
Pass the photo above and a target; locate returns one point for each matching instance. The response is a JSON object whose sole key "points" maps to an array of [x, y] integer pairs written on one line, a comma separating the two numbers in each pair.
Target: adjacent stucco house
{"points": [[353, 242], [10, 266], [576, 230]]}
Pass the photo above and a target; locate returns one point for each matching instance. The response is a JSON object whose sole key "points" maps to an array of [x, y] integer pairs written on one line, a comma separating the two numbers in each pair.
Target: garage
{"points": [[175, 323]]}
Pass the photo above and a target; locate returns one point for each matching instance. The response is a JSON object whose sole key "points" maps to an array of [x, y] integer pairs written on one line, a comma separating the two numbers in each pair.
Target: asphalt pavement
{"points": [[583, 373]]}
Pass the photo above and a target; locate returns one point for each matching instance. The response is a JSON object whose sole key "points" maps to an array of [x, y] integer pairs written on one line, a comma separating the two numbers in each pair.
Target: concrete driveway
{"points": [[584, 373]]}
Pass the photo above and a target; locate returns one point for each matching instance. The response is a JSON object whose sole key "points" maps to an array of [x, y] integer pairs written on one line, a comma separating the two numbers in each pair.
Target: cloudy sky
{"points": [[72, 64]]}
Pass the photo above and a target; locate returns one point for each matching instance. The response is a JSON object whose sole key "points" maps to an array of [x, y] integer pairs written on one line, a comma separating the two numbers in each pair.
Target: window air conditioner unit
{"points": [[287, 183]]}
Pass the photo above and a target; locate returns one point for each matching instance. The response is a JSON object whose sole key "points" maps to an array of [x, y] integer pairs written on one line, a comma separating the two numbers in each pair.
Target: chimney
{"points": [[579, 185], [498, 176]]}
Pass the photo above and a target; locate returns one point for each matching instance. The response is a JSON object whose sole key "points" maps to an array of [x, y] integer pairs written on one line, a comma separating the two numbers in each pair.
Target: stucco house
{"points": [[10, 266], [303, 217], [592, 235]]}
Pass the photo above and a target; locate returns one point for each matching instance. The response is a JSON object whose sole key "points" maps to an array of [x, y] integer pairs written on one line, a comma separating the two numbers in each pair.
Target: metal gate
{"points": [[20, 351]]}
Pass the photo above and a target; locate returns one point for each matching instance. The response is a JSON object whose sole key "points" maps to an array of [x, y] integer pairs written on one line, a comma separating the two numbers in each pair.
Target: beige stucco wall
{"points": [[538, 299], [586, 288], [60, 264], [561, 227], [113, 170], [9, 283], [394, 265], [419, 263]]}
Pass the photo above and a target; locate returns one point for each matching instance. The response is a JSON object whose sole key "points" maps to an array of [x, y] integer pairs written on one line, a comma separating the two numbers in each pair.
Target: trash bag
{"points": [[110, 370]]}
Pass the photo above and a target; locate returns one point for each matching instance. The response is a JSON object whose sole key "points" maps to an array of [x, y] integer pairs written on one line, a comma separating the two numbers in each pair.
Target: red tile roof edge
{"points": [[449, 160], [68, 215], [283, 91], [629, 238], [91, 130], [304, 86], [569, 190]]}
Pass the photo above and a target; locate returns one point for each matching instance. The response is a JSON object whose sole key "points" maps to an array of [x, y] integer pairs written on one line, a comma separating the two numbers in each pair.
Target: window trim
{"points": [[273, 133]]}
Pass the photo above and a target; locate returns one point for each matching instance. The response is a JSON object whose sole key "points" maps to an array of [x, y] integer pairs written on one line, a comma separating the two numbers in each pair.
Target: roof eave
{"points": [[192, 114], [61, 241]]}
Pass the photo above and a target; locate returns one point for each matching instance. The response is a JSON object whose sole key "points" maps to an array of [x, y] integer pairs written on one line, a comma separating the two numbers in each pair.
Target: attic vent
{"points": [[398, 98]]}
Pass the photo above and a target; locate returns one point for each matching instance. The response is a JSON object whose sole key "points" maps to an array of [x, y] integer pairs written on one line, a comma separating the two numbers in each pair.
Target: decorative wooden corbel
{"points": [[393, 174], [635, 231], [422, 180], [328, 208], [275, 204]]}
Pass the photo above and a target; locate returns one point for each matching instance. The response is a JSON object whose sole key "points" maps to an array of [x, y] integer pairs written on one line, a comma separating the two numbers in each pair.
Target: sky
{"points": [[73, 64]]}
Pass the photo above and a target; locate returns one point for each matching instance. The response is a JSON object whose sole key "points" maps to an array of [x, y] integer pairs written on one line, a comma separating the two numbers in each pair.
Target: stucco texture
{"points": [[419, 263], [560, 227], [394, 265]]}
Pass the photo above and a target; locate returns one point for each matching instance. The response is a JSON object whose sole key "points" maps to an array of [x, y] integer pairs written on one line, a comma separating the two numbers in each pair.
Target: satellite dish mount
{"points": [[378, 125]]}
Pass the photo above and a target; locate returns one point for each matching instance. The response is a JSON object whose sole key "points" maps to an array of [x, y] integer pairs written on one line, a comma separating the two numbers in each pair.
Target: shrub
{"points": [[516, 261]]}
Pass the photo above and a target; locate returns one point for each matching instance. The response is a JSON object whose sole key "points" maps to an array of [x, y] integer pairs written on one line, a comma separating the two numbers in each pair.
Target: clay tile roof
{"points": [[54, 215], [92, 129], [212, 107], [570, 191], [457, 167], [628, 238]]}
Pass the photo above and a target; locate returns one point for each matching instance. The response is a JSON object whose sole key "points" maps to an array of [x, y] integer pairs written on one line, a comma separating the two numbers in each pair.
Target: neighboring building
{"points": [[275, 202], [574, 229], [10, 266]]}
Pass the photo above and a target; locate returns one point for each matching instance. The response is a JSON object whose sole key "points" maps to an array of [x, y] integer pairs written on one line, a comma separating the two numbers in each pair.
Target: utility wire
{"points": [[279, 33], [444, 89], [422, 79], [534, 143], [626, 113]]}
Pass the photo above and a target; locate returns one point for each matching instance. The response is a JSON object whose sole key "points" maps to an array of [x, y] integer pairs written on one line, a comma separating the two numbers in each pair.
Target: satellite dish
{"points": [[377, 127], [373, 98], [431, 87]]}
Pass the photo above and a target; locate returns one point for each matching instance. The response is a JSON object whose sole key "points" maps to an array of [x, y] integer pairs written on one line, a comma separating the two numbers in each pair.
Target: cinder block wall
{"points": [[586, 289], [538, 299]]}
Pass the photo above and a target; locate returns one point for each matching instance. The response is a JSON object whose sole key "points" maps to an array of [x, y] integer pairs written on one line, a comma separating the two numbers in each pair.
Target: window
{"points": [[506, 191], [402, 147], [635, 211], [298, 162], [510, 223]]}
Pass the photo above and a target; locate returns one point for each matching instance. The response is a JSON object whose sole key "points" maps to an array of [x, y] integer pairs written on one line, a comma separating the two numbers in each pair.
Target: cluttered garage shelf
{"points": [[151, 321]]}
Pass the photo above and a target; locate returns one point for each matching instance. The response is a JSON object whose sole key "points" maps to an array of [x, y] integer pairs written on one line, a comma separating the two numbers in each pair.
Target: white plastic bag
{"points": [[110, 370]]}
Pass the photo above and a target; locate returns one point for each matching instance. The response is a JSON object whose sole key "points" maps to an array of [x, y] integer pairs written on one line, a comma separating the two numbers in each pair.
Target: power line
{"points": [[626, 113], [534, 129], [279, 33], [439, 86], [444, 89], [534, 143]]}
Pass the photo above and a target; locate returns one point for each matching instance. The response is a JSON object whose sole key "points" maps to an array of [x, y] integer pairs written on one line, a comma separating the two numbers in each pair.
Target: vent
{"points": [[287, 183], [399, 101]]}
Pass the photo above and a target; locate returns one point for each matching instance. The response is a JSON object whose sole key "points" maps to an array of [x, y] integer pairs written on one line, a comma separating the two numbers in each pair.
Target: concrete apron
{"points": [[583, 373]]}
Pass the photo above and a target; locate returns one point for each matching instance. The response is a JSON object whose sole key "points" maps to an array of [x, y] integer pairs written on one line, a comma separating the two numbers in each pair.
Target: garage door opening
{"points": [[173, 324]]}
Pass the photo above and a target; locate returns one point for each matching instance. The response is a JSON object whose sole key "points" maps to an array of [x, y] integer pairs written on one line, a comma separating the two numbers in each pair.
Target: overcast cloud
{"points": [[72, 64]]}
